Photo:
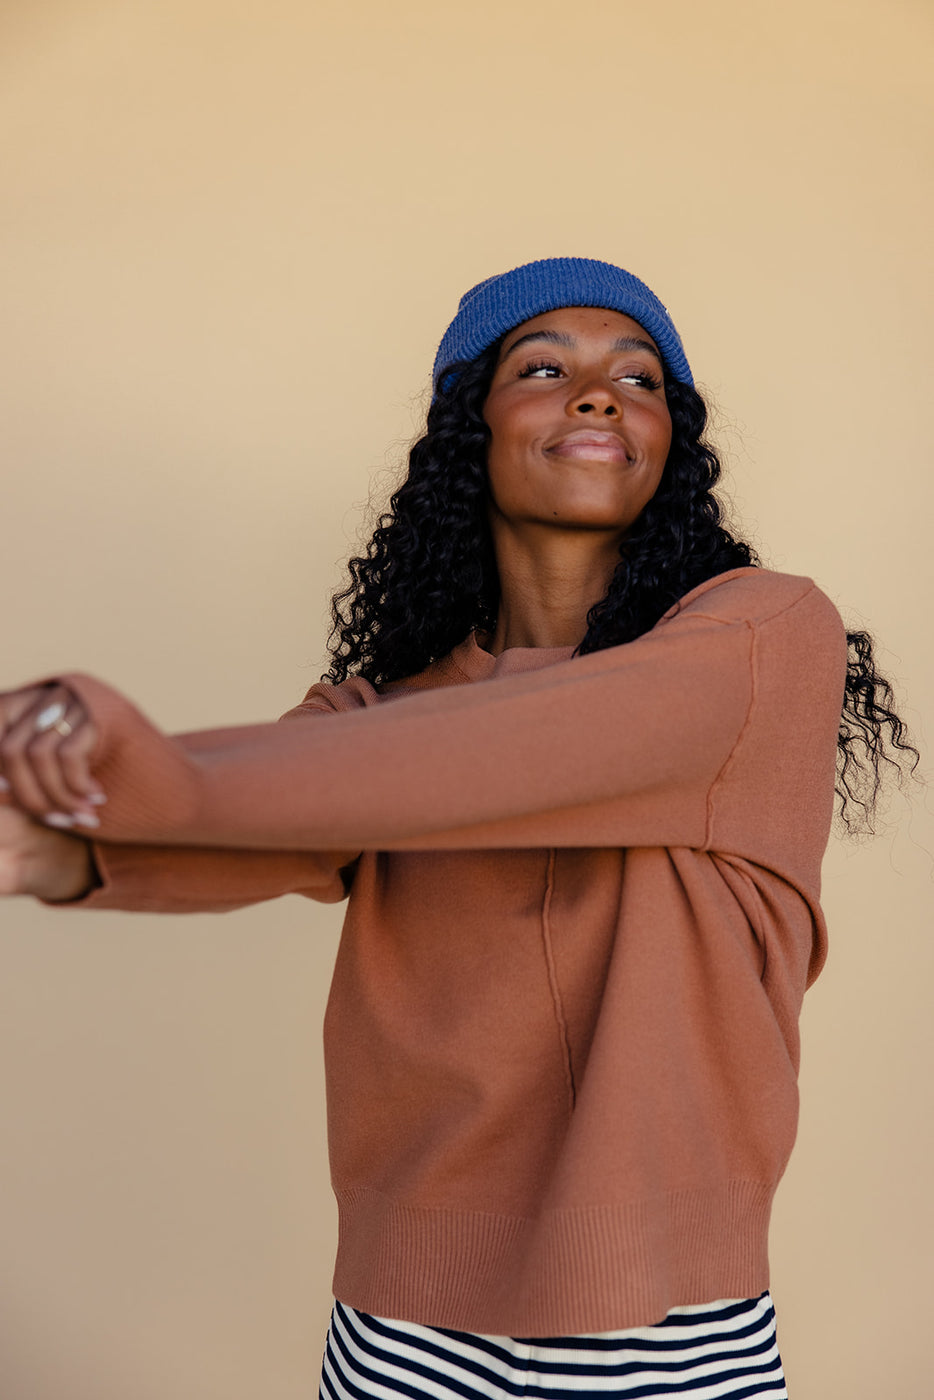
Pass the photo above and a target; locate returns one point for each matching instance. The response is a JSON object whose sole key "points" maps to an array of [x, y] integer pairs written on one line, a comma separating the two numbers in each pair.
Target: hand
{"points": [[36, 861], [46, 741]]}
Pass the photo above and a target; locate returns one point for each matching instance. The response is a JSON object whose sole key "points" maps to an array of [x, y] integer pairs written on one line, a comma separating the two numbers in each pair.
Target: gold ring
{"points": [[51, 717], [63, 728]]}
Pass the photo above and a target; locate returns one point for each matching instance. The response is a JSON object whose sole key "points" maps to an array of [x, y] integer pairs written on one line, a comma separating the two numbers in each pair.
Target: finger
{"points": [[29, 754], [15, 703], [24, 784], [16, 757], [59, 755], [73, 755], [51, 715]]}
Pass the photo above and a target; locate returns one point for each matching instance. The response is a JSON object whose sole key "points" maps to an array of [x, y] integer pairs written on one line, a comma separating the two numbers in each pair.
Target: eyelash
{"points": [[643, 378], [535, 365]]}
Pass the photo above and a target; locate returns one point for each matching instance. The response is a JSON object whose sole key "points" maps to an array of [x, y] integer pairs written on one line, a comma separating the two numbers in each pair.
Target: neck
{"points": [[548, 585]]}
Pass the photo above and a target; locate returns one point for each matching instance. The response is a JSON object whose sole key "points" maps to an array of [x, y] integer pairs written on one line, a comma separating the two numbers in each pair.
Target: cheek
{"points": [[507, 425], [507, 478], [512, 438], [657, 446], [658, 432]]}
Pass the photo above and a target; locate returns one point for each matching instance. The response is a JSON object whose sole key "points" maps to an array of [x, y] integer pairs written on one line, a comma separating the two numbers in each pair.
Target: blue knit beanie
{"points": [[495, 306]]}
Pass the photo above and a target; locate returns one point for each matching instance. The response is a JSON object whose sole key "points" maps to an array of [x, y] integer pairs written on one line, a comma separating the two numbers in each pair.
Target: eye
{"points": [[642, 377], [540, 369]]}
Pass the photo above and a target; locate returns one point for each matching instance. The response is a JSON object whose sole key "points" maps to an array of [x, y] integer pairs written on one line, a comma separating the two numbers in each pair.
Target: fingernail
{"points": [[85, 819], [97, 799], [4, 785], [58, 819]]}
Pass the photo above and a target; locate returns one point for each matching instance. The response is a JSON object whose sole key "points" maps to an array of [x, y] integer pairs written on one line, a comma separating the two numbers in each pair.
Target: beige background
{"points": [[232, 236]]}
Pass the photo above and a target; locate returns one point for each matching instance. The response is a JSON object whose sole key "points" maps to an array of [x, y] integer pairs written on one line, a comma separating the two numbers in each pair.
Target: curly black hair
{"points": [[428, 577]]}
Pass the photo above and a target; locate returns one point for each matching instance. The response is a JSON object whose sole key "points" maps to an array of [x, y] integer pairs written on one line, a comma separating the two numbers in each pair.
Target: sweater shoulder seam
{"points": [[751, 628], [711, 615], [754, 627]]}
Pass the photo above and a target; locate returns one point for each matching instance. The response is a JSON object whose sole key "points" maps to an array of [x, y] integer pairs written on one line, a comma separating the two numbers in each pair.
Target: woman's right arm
{"points": [[59, 868], [46, 739], [49, 865]]}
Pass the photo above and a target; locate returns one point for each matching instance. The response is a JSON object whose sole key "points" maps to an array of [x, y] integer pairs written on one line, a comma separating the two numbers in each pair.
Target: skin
{"points": [[38, 861], [580, 436], [48, 774], [580, 432]]}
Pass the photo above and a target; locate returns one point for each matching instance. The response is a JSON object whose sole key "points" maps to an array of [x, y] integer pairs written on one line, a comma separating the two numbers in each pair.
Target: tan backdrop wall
{"points": [[232, 237]]}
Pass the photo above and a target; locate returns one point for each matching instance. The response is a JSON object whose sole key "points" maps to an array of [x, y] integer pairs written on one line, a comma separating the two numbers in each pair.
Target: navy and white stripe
{"points": [[718, 1351]]}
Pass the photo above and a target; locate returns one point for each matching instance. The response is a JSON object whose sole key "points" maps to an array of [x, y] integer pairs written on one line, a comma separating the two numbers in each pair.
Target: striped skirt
{"points": [[717, 1351]]}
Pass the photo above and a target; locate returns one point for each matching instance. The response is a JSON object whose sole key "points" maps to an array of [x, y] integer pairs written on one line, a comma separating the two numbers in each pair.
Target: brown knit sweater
{"points": [[561, 1040]]}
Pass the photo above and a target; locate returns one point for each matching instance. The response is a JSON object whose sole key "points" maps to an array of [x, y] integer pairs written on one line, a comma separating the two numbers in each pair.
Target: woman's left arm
{"points": [[48, 738], [636, 745]]}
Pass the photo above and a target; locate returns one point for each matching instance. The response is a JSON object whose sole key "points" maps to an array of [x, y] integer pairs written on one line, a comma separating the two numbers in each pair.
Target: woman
{"points": [[574, 760]]}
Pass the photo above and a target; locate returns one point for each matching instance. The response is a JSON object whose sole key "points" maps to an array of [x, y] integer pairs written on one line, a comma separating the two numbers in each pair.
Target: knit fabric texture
{"points": [[495, 306], [561, 1043]]}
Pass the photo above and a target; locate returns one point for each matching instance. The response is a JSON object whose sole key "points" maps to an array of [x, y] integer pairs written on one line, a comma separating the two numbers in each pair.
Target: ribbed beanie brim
{"points": [[495, 306]]}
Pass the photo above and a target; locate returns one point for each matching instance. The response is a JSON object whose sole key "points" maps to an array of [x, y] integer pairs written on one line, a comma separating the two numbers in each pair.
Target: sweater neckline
{"points": [[479, 665]]}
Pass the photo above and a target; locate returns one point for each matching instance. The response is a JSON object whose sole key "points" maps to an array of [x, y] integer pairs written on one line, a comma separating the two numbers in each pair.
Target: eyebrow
{"points": [[625, 342]]}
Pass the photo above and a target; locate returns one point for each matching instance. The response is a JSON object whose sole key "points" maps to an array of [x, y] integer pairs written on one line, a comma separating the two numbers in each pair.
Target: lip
{"points": [[605, 446]]}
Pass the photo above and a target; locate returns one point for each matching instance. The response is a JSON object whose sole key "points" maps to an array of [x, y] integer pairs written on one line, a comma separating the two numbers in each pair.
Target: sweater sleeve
{"points": [[197, 879], [189, 879], [617, 748]]}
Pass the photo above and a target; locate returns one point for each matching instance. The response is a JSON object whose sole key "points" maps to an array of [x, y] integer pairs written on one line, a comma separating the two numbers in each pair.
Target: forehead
{"points": [[579, 322]]}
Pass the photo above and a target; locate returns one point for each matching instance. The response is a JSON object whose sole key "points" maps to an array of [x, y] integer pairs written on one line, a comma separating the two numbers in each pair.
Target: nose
{"points": [[597, 395]]}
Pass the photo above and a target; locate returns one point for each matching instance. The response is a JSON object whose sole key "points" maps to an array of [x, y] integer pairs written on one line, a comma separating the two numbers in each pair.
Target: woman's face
{"points": [[580, 429]]}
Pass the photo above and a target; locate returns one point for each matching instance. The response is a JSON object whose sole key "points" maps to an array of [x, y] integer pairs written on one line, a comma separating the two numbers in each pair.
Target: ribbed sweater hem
{"points": [[585, 1269]]}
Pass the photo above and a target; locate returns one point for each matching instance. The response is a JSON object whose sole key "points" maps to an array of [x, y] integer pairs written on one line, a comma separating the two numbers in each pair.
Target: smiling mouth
{"points": [[594, 446]]}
